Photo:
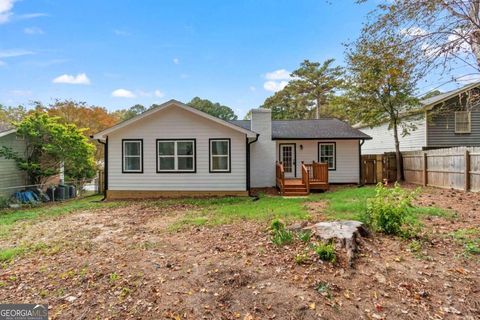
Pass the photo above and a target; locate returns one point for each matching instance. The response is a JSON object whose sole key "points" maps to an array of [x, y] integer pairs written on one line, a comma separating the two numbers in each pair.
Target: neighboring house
{"points": [[450, 119], [10, 175], [176, 150]]}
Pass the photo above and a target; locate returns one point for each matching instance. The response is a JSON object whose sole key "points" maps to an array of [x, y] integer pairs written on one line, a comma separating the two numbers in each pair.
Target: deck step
{"points": [[290, 188], [295, 193]]}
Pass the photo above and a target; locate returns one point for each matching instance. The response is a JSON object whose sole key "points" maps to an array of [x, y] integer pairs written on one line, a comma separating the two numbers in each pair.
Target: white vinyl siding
{"points": [[346, 152], [10, 175], [174, 123], [383, 140]]}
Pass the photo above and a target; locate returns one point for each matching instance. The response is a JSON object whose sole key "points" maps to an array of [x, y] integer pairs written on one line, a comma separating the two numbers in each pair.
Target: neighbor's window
{"points": [[176, 155], [462, 122], [219, 155], [327, 154], [132, 156]]}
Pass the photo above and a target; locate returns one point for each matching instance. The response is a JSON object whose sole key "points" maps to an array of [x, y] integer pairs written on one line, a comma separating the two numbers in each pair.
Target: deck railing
{"points": [[305, 177], [317, 172], [280, 176]]}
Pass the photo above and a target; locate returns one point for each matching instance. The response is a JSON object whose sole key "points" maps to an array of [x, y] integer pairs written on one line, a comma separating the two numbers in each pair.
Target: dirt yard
{"points": [[125, 263]]}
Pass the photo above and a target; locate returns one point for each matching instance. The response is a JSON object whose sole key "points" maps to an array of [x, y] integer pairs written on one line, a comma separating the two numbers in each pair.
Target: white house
{"points": [[176, 150]]}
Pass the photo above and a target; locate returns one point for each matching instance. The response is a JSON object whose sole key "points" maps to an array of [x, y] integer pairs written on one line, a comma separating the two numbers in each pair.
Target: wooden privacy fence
{"points": [[379, 167], [457, 168]]}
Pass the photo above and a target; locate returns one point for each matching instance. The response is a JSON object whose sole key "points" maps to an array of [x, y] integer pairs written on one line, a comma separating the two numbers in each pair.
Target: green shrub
{"points": [[280, 236], [277, 225], [326, 252], [305, 236], [388, 210], [301, 258], [3, 202], [472, 247]]}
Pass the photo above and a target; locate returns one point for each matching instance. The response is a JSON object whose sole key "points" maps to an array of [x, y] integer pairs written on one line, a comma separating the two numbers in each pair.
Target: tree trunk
{"points": [[475, 36], [398, 155], [317, 114]]}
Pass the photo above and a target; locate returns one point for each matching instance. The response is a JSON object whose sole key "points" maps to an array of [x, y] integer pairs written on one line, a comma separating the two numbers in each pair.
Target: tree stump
{"points": [[346, 234]]}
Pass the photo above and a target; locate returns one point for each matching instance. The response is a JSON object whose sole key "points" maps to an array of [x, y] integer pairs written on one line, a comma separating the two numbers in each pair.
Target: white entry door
{"points": [[287, 157]]}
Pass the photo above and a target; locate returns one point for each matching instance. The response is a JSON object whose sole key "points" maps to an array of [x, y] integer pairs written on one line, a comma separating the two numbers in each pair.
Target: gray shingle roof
{"points": [[443, 96], [326, 128]]}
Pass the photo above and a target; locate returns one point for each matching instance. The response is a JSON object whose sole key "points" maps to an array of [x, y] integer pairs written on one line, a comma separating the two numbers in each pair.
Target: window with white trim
{"points": [[462, 122], [219, 155], [132, 156], [326, 154], [175, 155]]}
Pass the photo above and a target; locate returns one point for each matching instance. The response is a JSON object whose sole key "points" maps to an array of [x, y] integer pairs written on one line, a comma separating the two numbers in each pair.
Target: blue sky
{"points": [[119, 53]]}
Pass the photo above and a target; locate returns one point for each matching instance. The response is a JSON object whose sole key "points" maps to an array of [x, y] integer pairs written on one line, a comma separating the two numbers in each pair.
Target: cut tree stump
{"points": [[346, 234]]}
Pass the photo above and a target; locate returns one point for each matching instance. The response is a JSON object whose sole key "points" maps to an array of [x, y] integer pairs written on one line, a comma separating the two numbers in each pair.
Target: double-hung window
{"points": [[176, 155], [220, 155], [132, 155], [463, 122], [326, 154]]}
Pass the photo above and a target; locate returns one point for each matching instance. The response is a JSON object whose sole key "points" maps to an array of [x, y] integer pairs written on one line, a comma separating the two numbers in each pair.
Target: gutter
{"points": [[105, 167], [248, 160], [360, 176]]}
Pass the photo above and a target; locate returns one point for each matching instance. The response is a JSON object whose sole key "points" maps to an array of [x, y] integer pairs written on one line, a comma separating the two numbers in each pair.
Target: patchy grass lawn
{"points": [[343, 204], [214, 259], [29, 216]]}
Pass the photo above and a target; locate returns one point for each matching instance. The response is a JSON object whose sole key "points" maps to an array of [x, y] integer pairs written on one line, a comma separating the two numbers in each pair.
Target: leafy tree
{"points": [[309, 93], [431, 94], [445, 30], [382, 78], [316, 82], [8, 115], [287, 104], [213, 109], [50, 143], [125, 114], [91, 119]]}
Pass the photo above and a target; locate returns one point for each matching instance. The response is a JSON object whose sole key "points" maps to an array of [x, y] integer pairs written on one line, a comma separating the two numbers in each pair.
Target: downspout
{"points": [[360, 176], [248, 161], [105, 167]]}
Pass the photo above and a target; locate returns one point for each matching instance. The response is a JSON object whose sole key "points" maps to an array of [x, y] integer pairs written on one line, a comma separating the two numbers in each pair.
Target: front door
{"points": [[287, 157]]}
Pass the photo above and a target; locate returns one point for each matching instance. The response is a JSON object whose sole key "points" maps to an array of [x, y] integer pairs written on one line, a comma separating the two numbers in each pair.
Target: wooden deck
{"points": [[314, 177]]}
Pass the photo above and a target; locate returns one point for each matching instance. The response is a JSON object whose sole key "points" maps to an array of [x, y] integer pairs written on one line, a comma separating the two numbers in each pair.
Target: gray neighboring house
{"points": [[10, 175], [451, 119]]}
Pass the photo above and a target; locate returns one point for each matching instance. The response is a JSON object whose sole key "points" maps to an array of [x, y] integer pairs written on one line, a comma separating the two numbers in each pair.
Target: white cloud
{"points": [[21, 93], [6, 7], [252, 88], [2, 63], [80, 78], [280, 74], [413, 31], [33, 31], [119, 32], [158, 93], [123, 93], [11, 53], [274, 86], [176, 60], [32, 15], [277, 80]]}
